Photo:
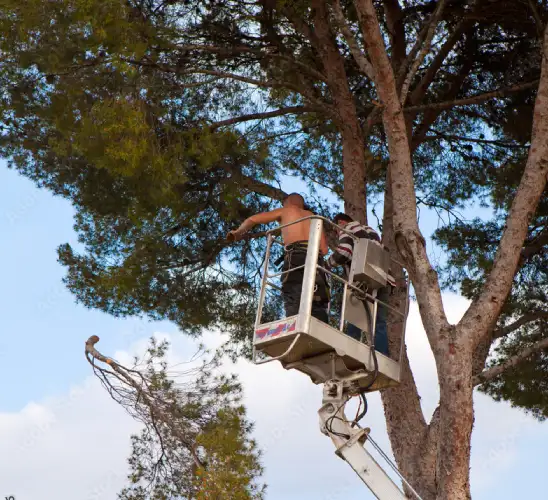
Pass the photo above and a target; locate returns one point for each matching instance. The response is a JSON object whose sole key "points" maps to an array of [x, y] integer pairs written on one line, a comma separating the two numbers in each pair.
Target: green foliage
{"points": [[525, 386], [203, 449], [471, 247], [120, 107]]}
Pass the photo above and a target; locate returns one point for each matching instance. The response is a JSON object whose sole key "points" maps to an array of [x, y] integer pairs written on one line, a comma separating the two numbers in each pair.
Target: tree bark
{"points": [[406, 426], [452, 353], [456, 418], [353, 145]]}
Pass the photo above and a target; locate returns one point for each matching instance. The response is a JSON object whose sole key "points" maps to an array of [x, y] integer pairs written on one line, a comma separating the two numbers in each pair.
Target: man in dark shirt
{"points": [[342, 256]]}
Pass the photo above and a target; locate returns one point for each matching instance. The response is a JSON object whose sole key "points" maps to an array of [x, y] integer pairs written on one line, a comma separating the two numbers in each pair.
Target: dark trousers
{"points": [[381, 332], [292, 284]]}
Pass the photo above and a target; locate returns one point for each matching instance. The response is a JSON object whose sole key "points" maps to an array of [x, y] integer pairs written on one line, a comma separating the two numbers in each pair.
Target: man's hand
{"points": [[234, 235]]}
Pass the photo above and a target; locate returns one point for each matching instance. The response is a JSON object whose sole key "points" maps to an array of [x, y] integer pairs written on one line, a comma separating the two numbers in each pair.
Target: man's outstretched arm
{"points": [[250, 222]]}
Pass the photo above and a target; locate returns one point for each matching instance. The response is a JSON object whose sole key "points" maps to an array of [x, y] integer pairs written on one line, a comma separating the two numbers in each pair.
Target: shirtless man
{"points": [[295, 238]]}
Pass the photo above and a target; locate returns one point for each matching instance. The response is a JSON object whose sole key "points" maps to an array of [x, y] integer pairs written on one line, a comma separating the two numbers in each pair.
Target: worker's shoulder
{"points": [[295, 213]]}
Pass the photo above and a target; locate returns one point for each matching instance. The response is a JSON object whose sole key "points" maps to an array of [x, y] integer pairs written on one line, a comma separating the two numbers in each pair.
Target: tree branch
{"points": [[420, 90], [512, 327], [459, 138], [290, 110], [534, 246], [497, 370], [484, 311], [260, 52], [432, 25], [409, 240], [360, 58], [536, 16], [123, 374], [396, 30], [254, 185], [239, 78], [474, 99]]}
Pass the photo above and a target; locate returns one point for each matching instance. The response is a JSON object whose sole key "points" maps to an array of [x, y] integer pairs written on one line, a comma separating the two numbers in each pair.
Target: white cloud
{"points": [[75, 447]]}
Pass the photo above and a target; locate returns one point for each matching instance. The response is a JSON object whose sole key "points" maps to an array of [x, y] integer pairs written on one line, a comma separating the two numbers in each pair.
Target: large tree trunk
{"points": [[353, 144], [454, 346], [406, 426]]}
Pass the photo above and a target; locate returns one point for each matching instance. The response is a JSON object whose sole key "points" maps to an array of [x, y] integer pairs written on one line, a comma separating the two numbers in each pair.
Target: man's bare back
{"points": [[292, 210]]}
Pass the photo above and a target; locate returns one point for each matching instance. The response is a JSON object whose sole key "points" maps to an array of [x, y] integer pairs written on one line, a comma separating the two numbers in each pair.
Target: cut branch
{"points": [[138, 382], [512, 362]]}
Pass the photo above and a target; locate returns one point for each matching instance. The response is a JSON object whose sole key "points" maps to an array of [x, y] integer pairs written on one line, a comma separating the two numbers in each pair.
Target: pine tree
{"points": [[167, 123]]}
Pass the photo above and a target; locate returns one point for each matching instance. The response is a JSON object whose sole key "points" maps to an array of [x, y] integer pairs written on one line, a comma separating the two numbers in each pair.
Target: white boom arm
{"points": [[350, 441]]}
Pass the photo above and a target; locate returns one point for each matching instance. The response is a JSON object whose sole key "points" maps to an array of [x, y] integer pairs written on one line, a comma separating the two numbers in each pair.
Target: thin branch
{"points": [[273, 84], [359, 56], [503, 92], [525, 319], [293, 110], [432, 25], [512, 362], [472, 139], [538, 20]]}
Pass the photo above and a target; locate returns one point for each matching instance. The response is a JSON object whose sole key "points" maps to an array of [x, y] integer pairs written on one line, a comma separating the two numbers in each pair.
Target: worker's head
{"points": [[295, 200], [342, 219]]}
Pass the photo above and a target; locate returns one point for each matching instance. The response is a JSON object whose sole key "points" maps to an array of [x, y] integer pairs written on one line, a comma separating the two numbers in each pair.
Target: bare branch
{"points": [[359, 56], [503, 92], [524, 320], [294, 110], [484, 311], [459, 138], [432, 25], [512, 362], [433, 68]]}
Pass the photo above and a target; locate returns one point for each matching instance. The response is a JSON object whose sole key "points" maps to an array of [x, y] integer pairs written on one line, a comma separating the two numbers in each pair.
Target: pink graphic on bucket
{"points": [[273, 331]]}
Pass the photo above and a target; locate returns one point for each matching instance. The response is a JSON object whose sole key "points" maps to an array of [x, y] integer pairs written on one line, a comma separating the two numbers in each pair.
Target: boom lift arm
{"points": [[349, 442]]}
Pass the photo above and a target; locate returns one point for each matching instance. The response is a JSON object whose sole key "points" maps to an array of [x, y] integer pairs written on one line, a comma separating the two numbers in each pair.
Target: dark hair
{"points": [[342, 217], [295, 195]]}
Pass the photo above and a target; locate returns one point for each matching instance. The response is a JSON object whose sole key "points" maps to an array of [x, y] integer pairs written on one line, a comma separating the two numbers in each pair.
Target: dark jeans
{"points": [[292, 284], [381, 333]]}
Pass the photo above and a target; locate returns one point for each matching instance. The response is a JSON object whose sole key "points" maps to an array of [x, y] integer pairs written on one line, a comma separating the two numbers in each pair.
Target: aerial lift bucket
{"points": [[306, 344]]}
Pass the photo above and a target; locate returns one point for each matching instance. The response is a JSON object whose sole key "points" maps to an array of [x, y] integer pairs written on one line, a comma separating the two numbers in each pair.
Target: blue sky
{"points": [[69, 437]]}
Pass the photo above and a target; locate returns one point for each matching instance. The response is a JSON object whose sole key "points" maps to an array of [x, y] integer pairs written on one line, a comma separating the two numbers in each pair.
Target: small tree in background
{"points": [[196, 440]]}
